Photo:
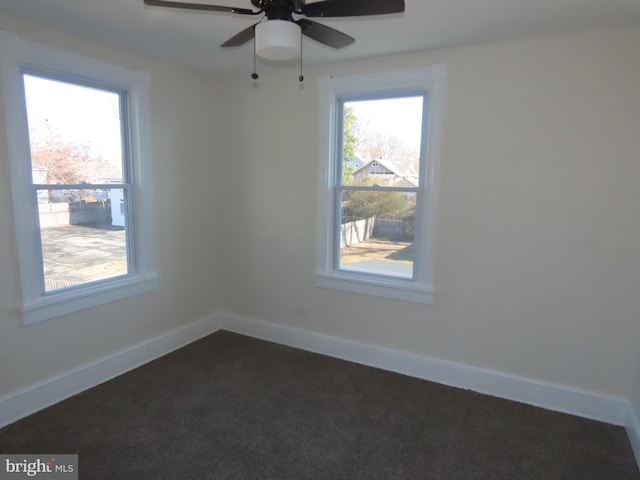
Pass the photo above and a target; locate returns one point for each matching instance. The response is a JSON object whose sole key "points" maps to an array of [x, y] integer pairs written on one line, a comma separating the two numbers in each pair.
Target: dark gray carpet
{"points": [[232, 407]]}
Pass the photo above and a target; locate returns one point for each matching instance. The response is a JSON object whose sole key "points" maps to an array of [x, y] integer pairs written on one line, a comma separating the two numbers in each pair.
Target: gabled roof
{"points": [[358, 161], [407, 179], [389, 165]]}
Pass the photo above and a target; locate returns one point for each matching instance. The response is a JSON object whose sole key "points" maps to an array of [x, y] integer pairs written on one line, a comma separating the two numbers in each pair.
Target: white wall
{"points": [[537, 269], [184, 111]]}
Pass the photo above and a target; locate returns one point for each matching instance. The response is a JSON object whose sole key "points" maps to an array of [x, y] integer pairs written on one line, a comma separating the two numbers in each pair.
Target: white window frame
{"points": [[19, 56], [432, 82]]}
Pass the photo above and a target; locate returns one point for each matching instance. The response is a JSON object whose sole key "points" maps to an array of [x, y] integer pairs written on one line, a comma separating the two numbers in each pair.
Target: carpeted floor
{"points": [[232, 407]]}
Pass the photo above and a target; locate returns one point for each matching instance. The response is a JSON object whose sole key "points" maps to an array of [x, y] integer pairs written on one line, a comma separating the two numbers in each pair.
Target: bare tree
{"points": [[386, 146], [360, 131], [63, 162]]}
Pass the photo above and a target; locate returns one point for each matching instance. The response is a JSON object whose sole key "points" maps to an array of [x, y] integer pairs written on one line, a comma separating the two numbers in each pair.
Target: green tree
{"points": [[380, 203], [366, 204], [348, 145]]}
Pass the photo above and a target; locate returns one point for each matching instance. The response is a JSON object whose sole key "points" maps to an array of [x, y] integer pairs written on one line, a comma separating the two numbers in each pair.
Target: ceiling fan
{"points": [[278, 33]]}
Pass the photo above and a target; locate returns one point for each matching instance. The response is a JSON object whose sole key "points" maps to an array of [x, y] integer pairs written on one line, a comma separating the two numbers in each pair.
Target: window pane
{"points": [[83, 234], [74, 132], [382, 141], [376, 233]]}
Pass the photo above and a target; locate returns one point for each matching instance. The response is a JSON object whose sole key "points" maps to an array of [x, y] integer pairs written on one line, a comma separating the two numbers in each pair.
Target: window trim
{"points": [[20, 56], [431, 81]]}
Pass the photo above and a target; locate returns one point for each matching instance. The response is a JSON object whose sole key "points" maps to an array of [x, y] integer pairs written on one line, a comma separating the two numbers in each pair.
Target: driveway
{"points": [[381, 267], [74, 254]]}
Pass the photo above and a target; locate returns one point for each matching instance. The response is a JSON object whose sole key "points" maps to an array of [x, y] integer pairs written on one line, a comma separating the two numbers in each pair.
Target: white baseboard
{"points": [[633, 430], [17, 405], [559, 398], [553, 397]]}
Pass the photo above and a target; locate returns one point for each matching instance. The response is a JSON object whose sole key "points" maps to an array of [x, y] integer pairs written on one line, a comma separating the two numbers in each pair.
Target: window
{"points": [[79, 161], [377, 223]]}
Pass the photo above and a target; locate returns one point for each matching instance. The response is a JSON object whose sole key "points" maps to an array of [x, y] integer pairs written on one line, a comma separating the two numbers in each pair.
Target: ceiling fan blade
{"points": [[352, 8], [242, 37], [198, 6], [323, 34]]}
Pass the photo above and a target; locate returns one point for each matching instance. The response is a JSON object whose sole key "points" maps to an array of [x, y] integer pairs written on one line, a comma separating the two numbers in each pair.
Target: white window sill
{"points": [[385, 287], [76, 299]]}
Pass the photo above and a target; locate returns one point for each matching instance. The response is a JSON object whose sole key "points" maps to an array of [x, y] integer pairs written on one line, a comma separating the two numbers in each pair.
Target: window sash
{"points": [[339, 187], [126, 171], [79, 186], [376, 188], [129, 217], [390, 95], [337, 228]]}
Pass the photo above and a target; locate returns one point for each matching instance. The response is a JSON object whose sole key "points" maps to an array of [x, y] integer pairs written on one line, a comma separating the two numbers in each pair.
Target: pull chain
{"points": [[254, 75], [301, 77]]}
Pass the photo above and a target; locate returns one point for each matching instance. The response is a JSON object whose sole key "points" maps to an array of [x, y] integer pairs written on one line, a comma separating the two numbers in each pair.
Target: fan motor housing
{"points": [[290, 5], [278, 40]]}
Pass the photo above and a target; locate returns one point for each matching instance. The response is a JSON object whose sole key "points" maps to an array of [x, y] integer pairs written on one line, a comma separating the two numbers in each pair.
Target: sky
{"points": [[79, 114], [401, 117]]}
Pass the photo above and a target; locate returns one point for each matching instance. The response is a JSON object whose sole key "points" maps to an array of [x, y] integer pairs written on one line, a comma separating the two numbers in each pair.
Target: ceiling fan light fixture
{"points": [[278, 40]]}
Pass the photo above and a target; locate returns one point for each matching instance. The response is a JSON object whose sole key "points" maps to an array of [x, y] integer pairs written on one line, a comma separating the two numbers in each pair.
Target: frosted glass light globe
{"points": [[278, 40]]}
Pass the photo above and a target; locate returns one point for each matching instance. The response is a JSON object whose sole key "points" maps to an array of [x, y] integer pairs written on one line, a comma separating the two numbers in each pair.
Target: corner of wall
{"points": [[633, 430], [552, 397], [38, 396]]}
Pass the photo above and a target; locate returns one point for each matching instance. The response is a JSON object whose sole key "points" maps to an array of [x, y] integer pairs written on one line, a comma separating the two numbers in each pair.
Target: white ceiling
{"points": [[192, 39]]}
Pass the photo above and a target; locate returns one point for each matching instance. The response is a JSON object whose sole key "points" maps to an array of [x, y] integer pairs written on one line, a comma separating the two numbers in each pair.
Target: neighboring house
{"points": [[386, 172], [117, 202], [357, 162], [117, 208]]}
